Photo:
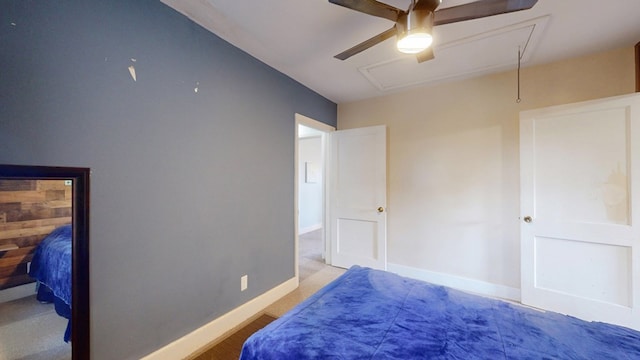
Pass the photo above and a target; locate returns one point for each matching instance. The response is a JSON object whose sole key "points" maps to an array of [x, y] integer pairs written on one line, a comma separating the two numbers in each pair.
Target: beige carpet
{"points": [[307, 288], [30, 330], [230, 347], [313, 272]]}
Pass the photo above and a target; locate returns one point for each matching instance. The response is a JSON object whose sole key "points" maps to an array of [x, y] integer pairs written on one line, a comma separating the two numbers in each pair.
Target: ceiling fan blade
{"points": [[371, 7], [480, 9], [425, 55], [367, 44]]}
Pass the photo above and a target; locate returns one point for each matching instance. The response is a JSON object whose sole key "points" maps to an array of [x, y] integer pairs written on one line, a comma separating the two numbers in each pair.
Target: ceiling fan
{"points": [[413, 27]]}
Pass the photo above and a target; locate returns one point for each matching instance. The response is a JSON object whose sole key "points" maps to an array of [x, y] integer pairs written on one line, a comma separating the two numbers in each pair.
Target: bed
{"points": [[51, 267], [372, 314]]}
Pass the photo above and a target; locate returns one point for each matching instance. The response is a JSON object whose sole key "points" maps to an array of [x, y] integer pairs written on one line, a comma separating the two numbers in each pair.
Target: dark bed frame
{"points": [[80, 320]]}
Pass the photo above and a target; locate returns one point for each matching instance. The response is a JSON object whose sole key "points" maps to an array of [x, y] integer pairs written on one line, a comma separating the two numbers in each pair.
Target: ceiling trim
{"points": [[530, 33]]}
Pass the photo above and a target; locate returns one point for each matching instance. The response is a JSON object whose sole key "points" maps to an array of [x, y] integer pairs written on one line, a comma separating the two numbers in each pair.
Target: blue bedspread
{"points": [[51, 266], [371, 314]]}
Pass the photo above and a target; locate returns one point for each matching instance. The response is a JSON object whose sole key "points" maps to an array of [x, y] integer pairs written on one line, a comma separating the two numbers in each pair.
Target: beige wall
{"points": [[453, 168]]}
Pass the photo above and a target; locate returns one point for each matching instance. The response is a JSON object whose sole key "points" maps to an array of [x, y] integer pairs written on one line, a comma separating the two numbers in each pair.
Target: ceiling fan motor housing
{"points": [[419, 17], [430, 5], [414, 21]]}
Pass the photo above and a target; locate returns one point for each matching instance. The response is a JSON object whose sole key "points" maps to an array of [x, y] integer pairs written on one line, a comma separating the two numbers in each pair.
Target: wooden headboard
{"points": [[29, 211]]}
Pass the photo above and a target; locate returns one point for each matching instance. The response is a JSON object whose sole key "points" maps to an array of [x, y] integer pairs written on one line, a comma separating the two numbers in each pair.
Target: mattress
{"points": [[373, 314]]}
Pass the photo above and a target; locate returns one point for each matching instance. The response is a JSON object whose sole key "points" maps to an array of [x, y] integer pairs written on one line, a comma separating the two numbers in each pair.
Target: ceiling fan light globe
{"points": [[414, 43]]}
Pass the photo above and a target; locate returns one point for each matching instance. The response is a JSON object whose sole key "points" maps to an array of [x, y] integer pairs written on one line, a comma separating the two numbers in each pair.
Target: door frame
{"points": [[80, 313], [326, 130]]}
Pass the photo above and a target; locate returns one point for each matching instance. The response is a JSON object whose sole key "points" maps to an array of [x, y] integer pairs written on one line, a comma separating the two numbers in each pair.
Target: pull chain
{"points": [[519, 57]]}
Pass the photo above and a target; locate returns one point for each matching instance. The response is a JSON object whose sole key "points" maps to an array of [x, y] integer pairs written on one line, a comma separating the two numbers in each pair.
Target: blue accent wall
{"points": [[189, 190]]}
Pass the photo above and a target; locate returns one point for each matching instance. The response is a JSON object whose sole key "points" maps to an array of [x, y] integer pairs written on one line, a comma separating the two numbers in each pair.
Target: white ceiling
{"points": [[300, 37]]}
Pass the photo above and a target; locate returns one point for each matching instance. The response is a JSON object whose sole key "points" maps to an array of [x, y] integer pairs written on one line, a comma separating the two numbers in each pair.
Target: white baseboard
{"points": [[309, 229], [17, 292], [204, 335], [457, 282]]}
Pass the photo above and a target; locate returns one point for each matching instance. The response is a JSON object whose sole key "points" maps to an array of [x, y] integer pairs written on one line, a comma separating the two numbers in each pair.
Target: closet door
{"points": [[358, 188], [580, 209]]}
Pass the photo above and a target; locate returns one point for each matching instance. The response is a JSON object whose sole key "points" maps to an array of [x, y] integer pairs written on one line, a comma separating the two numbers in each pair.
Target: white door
{"points": [[580, 209], [358, 197]]}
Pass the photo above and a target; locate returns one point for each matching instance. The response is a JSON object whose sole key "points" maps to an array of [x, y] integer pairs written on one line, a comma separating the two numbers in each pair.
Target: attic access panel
{"points": [[452, 59]]}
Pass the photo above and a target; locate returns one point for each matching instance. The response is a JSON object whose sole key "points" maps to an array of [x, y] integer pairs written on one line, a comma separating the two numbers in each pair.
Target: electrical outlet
{"points": [[244, 282]]}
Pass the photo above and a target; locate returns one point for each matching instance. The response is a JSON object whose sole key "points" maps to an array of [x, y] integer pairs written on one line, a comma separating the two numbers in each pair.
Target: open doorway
{"points": [[311, 193]]}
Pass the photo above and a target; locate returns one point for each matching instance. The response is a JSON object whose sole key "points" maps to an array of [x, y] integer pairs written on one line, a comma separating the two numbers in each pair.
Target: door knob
{"points": [[528, 219], [380, 209]]}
